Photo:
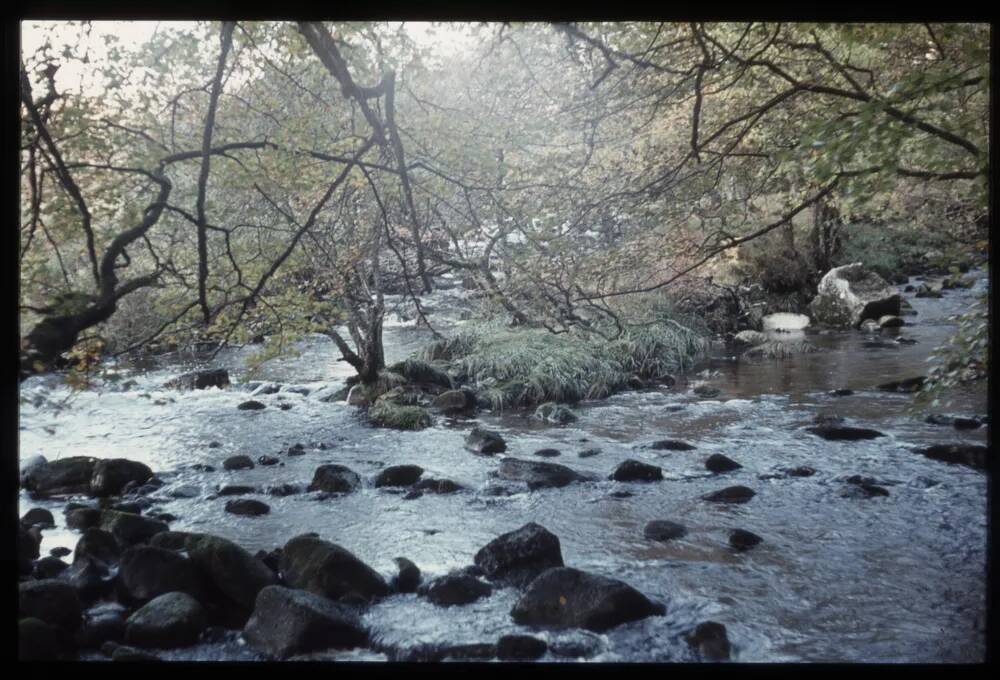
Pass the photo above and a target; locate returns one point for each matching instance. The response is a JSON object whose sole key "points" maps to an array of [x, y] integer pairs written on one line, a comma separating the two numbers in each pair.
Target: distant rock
{"points": [[671, 445], [484, 441], [455, 589], [732, 494], [241, 462], [251, 405], [741, 539], [552, 412], [849, 294], [664, 530], [247, 507], [334, 478], [199, 380], [454, 401], [718, 463], [548, 453], [635, 471], [399, 475], [837, 432], [537, 474], [973, 455]]}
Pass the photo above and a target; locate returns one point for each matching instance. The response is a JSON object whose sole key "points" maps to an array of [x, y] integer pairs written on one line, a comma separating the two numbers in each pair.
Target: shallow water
{"points": [[888, 579]]}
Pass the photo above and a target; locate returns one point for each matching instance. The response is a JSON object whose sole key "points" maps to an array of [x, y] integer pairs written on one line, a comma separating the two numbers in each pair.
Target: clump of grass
{"points": [[421, 371], [775, 349], [526, 366], [386, 413]]}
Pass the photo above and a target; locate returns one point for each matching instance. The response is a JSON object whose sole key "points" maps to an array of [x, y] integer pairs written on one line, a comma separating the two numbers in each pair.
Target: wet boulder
{"points": [[170, 620], [562, 597], [741, 539], [849, 294], [718, 463], [670, 445], [548, 453], [520, 648], [399, 475], [833, 431], [906, 385], [589, 453], [101, 623], [334, 478], [130, 529], [247, 507], [265, 388], [408, 578], [38, 517], [537, 474], [60, 551], [287, 622], [199, 380], [241, 462], [268, 460], [357, 396], [710, 641], [484, 442], [635, 471], [65, 476], [552, 412], [147, 572], [41, 641], [707, 392], [281, 490], [749, 338], [664, 530], [111, 475], [454, 401], [50, 600], [327, 569], [731, 494], [251, 405], [49, 567], [519, 556], [236, 490], [890, 321], [455, 589], [973, 455], [27, 550], [441, 486], [235, 572]]}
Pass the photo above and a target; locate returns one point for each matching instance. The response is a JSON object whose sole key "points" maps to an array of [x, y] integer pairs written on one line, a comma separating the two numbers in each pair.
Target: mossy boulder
{"points": [[388, 413]]}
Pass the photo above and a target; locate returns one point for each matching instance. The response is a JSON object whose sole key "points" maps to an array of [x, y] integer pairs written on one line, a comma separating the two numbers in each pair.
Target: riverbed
{"points": [[839, 577]]}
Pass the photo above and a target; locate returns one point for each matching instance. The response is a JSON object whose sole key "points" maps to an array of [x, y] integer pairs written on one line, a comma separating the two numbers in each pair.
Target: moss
{"points": [[419, 371]]}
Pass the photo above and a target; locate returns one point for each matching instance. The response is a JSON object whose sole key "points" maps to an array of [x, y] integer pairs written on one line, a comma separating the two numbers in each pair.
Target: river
{"points": [[838, 578]]}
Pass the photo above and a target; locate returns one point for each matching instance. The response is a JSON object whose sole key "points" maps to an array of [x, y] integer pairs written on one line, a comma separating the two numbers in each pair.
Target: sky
{"points": [[445, 38]]}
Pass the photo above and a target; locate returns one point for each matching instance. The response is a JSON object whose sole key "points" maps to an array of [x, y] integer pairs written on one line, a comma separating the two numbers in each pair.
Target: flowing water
{"points": [[900, 578]]}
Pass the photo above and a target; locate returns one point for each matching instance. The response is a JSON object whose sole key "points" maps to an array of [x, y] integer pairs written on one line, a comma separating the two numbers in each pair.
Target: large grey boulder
{"points": [[111, 475], [848, 295], [52, 601], [65, 476], [147, 572], [520, 555], [287, 622], [537, 474]]}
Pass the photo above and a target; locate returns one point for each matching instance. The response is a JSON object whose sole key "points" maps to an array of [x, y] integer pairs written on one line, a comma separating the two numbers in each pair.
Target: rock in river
{"points": [[333, 478], [537, 474], [731, 494], [399, 475], [635, 471], [408, 578], [563, 597], [129, 528], [148, 572], [484, 441], [709, 639], [455, 589], [670, 445], [741, 539], [170, 620], [111, 475], [717, 463], [664, 530], [241, 462], [519, 556], [973, 455], [199, 380], [52, 601], [836, 432], [520, 648], [329, 570], [65, 476], [555, 413], [849, 294], [287, 622], [251, 405], [39, 517], [247, 507]]}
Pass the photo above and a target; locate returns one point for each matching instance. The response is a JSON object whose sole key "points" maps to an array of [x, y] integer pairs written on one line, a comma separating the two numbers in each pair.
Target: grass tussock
{"points": [[513, 367]]}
